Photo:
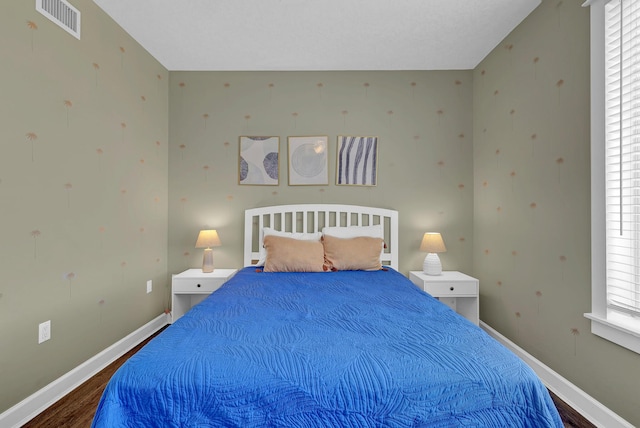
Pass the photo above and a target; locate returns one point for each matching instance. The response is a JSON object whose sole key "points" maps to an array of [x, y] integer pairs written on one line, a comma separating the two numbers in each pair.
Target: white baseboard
{"points": [[586, 405], [33, 405]]}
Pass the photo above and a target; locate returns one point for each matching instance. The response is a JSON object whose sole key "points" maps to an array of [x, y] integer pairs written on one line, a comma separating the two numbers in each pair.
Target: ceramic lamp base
{"points": [[207, 261], [432, 265]]}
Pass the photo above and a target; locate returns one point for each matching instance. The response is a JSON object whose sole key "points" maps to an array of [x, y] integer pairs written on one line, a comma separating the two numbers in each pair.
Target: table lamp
{"points": [[207, 239], [433, 244]]}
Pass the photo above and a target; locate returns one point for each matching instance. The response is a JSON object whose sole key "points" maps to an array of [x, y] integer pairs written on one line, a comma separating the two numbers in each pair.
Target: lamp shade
{"points": [[208, 239], [432, 243]]}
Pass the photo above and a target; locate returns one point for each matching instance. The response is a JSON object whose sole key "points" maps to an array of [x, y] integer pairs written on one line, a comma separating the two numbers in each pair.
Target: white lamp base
{"points": [[207, 260], [432, 265]]}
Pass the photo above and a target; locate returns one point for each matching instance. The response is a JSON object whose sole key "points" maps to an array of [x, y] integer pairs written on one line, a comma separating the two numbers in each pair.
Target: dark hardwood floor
{"points": [[76, 409], [569, 416]]}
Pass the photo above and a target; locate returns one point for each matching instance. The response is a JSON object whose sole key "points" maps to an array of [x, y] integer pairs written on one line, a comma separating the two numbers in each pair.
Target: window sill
{"points": [[619, 329]]}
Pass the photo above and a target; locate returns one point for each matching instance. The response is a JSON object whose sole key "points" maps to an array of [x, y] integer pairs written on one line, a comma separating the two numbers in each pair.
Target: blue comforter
{"points": [[338, 349]]}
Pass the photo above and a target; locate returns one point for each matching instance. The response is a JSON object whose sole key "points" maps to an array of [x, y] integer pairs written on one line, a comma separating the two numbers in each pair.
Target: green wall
{"points": [[83, 192], [532, 203], [423, 121]]}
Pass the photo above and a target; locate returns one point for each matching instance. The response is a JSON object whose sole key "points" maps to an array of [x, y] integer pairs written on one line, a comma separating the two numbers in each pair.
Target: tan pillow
{"points": [[361, 253], [293, 255], [266, 231]]}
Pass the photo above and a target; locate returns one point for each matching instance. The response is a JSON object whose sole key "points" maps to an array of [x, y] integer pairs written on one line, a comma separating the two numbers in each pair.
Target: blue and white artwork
{"points": [[357, 160], [259, 160], [308, 160]]}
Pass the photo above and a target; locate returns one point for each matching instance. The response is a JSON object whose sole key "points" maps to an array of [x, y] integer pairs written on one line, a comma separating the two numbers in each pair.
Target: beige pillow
{"points": [[361, 253], [373, 231], [293, 255], [266, 231]]}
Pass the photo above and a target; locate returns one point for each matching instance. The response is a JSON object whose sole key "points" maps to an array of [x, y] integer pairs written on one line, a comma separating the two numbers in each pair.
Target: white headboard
{"points": [[312, 218]]}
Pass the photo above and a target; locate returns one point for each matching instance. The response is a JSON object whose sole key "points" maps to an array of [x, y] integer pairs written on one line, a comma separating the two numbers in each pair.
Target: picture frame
{"points": [[259, 161], [309, 160], [357, 161]]}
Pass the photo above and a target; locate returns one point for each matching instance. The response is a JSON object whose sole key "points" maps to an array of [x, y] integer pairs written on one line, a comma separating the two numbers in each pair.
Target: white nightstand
{"points": [[454, 289], [192, 286]]}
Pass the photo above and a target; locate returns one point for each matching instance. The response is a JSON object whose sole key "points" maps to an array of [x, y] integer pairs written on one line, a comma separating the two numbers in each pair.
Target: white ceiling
{"points": [[318, 35]]}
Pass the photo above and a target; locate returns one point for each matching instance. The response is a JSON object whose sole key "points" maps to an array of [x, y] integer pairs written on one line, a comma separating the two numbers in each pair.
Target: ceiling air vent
{"points": [[61, 13]]}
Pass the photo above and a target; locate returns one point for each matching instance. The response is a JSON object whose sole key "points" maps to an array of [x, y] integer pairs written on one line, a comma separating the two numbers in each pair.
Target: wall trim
{"points": [[34, 404], [589, 407]]}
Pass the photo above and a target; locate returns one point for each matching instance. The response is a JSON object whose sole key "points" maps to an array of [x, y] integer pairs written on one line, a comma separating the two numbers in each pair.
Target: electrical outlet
{"points": [[149, 286], [44, 331]]}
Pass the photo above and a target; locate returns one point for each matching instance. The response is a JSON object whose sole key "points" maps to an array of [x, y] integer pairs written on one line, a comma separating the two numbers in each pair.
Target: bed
{"points": [[330, 348]]}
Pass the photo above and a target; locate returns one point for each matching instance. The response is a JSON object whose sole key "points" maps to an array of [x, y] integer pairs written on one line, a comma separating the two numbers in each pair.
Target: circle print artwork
{"points": [[307, 161], [244, 169], [270, 164], [258, 162]]}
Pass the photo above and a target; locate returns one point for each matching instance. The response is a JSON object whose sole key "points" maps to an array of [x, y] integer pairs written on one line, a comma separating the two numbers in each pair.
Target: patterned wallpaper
{"points": [[83, 192], [110, 165], [532, 202], [422, 119]]}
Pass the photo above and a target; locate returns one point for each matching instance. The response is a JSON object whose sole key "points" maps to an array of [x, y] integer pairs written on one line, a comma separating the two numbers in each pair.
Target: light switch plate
{"points": [[44, 331]]}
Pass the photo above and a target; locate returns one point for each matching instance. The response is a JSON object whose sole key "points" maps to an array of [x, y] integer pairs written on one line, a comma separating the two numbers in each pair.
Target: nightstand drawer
{"points": [[200, 285], [454, 289], [193, 286], [451, 288]]}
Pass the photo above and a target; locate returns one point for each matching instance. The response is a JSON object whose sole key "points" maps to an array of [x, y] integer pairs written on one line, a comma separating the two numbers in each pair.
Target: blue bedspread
{"points": [[338, 349]]}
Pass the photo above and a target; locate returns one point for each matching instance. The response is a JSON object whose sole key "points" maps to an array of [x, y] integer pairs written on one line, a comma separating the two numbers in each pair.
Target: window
{"points": [[615, 171]]}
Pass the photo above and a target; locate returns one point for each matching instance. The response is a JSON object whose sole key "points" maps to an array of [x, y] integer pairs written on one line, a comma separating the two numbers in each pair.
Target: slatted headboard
{"points": [[312, 218]]}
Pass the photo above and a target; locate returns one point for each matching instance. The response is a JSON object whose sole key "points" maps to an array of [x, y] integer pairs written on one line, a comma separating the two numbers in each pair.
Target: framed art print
{"points": [[259, 160], [308, 161], [357, 161]]}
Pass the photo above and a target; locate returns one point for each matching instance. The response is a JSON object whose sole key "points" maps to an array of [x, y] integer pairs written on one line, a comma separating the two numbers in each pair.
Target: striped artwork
{"points": [[357, 161]]}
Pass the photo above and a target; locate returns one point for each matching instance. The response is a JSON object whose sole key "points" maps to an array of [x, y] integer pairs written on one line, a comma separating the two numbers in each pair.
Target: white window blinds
{"points": [[623, 155]]}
